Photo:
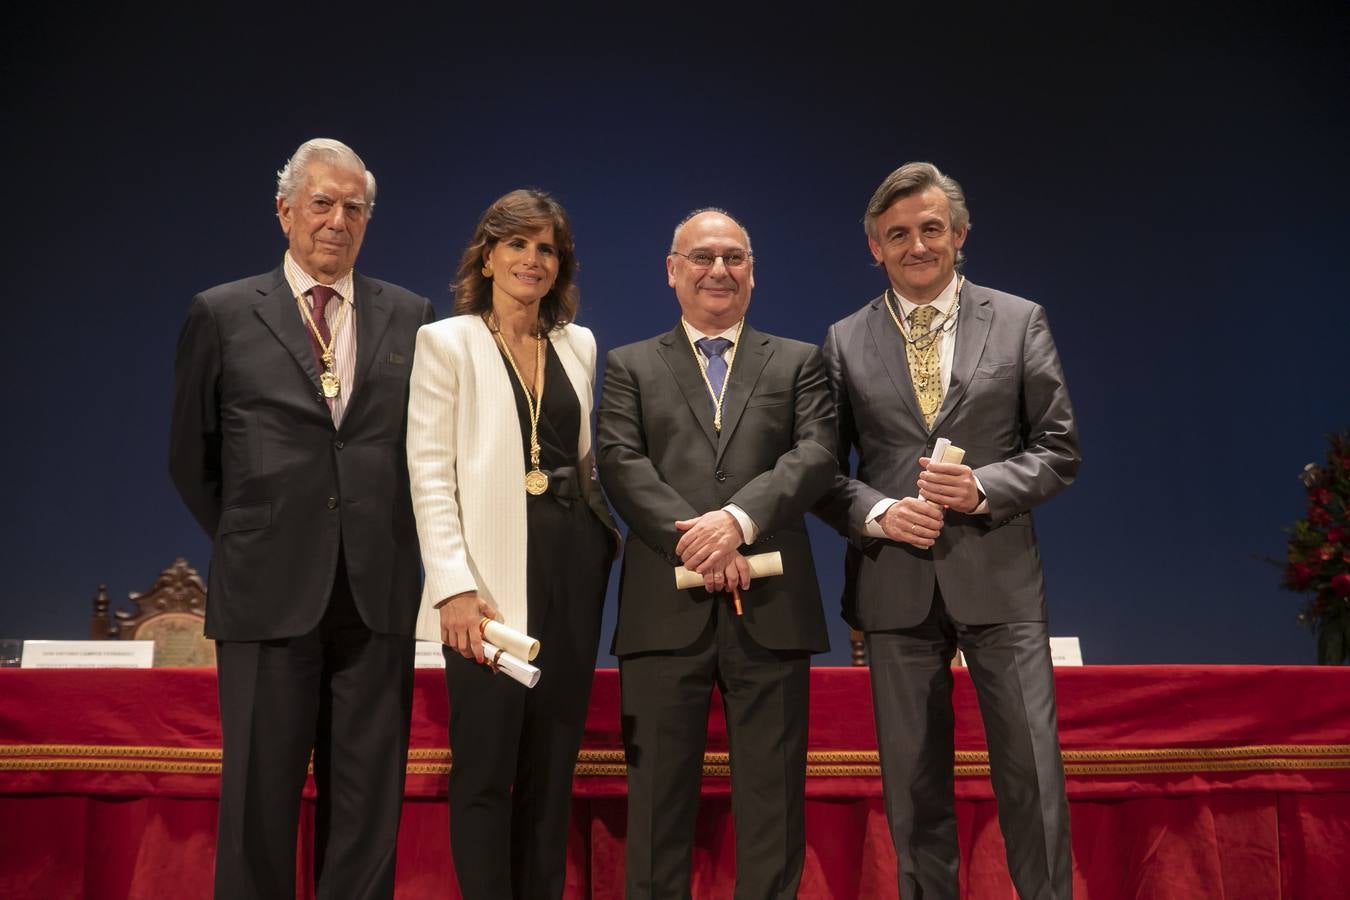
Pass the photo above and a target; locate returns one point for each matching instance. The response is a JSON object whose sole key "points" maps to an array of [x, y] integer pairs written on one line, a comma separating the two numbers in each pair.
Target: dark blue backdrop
{"points": [[1173, 190]]}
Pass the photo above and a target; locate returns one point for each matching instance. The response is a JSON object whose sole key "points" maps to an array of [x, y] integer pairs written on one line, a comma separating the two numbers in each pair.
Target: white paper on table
{"points": [[511, 665], [1065, 651], [762, 565], [428, 655], [514, 642], [88, 654]]}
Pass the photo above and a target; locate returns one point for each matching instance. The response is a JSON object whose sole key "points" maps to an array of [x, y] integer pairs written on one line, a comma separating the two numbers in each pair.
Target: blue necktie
{"points": [[713, 348]]}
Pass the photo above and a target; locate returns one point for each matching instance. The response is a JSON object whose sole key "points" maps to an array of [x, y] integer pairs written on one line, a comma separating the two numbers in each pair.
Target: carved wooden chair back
{"points": [[172, 613]]}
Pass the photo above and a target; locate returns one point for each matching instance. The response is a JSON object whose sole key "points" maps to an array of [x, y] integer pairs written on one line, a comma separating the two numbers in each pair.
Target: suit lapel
{"points": [[679, 357], [373, 313], [276, 307], [752, 354], [972, 331], [890, 349]]}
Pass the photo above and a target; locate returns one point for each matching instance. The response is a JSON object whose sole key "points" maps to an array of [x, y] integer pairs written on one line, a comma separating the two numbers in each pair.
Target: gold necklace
{"points": [[726, 379], [536, 482], [933, 332], [926, 348], [328, 379]]}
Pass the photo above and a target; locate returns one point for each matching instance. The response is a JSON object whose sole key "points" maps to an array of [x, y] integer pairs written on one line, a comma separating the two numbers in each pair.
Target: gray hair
{"points": [[291, 177], [909, 179], [710, 209]]}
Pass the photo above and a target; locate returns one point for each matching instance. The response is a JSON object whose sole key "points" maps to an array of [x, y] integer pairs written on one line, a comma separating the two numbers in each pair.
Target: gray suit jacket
{"points": [[1006, 406], [660, 460]]}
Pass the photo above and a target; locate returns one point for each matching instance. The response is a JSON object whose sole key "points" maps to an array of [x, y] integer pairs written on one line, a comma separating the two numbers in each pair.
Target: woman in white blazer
{"points": [[512, 526]]}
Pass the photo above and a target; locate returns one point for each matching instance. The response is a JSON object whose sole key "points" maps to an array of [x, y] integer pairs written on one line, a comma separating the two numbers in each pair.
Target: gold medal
{"points": [[536, 482], [328, 379]]}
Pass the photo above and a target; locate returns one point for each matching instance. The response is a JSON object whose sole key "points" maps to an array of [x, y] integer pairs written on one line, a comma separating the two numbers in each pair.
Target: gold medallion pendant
{"points": [[328, 379], [536, 482], [330, 384]]}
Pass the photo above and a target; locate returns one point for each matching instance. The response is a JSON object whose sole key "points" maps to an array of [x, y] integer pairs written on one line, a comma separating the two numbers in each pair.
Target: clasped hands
{"points": [[917, 521], [710, 546]]}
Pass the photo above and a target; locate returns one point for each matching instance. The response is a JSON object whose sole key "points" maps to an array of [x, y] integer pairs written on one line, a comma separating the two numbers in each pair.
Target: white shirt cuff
{"points": [[871, 527], [748, 530], [983, 508]]}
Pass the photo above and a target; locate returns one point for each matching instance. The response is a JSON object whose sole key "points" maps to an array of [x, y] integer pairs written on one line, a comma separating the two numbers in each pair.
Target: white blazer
{"points": [[466, 463]]}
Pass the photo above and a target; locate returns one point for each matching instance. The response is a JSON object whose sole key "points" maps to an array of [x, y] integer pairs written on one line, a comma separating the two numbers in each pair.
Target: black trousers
{"points": [[344, 693], [514, 748], [665, 696], [1010, 666]]}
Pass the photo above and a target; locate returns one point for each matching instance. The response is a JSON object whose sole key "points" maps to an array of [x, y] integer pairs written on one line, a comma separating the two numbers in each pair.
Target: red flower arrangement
{"points": [[1319, 553]]}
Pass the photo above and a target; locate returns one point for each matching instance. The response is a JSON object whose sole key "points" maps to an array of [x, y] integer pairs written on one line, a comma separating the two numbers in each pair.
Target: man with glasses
{"points": [[714, 439], [290, 399], [943, 555]]}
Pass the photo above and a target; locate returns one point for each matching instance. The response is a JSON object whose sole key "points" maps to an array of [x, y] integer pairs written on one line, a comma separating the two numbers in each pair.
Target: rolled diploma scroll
{"points": [[762, 565], [521, 646], [944, 451], [511, 665]]}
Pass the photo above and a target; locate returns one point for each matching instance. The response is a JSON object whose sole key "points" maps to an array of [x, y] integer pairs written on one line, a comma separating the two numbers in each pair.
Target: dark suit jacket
{"points": [[1006, 406], [660, 460], [279, 490]]}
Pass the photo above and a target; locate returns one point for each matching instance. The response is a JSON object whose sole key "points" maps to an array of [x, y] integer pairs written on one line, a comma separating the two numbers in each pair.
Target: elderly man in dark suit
{"points": [[944, 555], [289, 414], [714, 440]]}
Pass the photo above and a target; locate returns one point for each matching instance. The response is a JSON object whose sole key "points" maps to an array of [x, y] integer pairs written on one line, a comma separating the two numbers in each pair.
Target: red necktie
{"points": [[321, 294]]}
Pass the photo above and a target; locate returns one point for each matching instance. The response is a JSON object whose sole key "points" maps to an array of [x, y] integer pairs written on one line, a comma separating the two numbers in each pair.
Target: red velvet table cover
{"points": [[1184, 782]]}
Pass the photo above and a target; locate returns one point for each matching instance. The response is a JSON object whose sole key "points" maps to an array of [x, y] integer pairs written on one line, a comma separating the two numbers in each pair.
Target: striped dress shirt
{"points": [[344, 351]]}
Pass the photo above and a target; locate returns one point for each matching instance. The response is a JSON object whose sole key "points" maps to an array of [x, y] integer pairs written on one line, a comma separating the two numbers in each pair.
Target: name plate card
{"points": [[428, 655], [1064, 651], [88, 654]]}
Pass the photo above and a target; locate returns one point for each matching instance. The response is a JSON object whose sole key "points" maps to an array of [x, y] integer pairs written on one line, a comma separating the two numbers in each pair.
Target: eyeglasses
{"points": [[703, 259]]}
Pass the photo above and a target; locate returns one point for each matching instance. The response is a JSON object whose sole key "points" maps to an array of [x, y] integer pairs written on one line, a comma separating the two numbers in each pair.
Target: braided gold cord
{"points": [[820, 763]]}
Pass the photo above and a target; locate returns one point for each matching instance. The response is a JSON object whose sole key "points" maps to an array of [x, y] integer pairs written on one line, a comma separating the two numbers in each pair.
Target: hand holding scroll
{"points": [[460, 616], [760, 565], [946, 481]]}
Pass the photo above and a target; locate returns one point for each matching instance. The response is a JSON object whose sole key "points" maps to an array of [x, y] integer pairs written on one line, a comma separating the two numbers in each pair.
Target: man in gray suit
{"points": [[714, 440], [953, 563]]}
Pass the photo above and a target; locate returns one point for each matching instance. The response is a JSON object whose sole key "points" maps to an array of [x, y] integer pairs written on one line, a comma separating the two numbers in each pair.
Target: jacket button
{"points": [[332, 503], [319, 396], [338, 444], [721, 476]]}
